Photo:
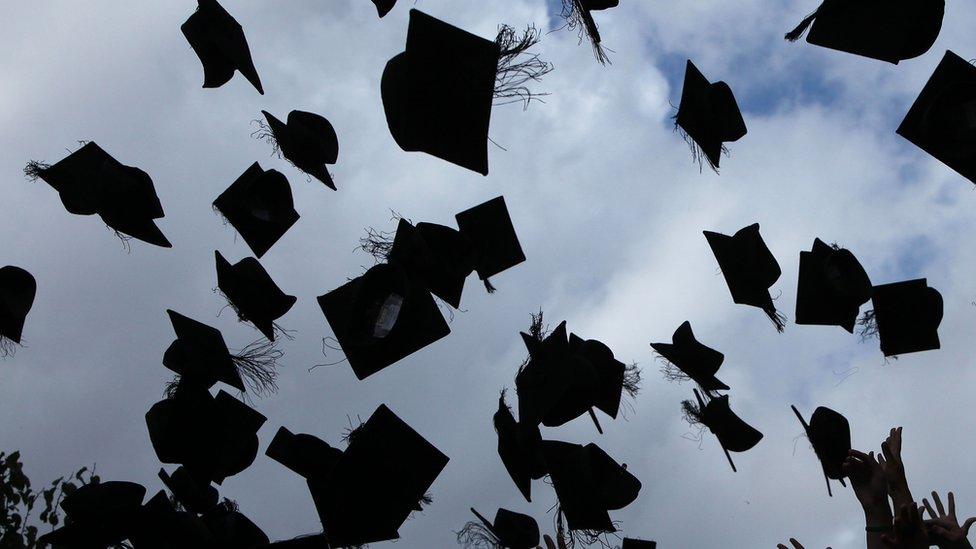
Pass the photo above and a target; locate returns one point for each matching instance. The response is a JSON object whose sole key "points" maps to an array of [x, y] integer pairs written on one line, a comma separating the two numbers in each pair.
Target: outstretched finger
{"points": [[548, 540], [952, 506], [886, 450], [969, 522], [938, 504], [928, 508], [796, 544]]}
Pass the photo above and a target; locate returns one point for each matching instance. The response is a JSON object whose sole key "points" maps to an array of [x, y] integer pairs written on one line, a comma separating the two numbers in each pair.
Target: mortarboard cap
{"points": [[306, 455], [17, 291], [734, 434], [97, 514], [232, 530], [749, 268], [709, 115], [91, 181], [252, 293], [577, 14], [887, 30], [438, 93], [383, 474], [439, 257], [942, 121], [630, 543], [308, 141], [489, 227], [193, 495], [200, 352], [907, 315], [260, 206], [830, 435], [382, 317], [218, 40], [519, 447], [831, 287], [383, 7], [695, 360], [512, 530]]}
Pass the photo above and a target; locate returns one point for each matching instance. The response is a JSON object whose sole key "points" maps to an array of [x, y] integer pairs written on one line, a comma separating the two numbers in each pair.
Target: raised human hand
{"points": [[943, 527], [869, 483], [894, 469], [908, 530]]}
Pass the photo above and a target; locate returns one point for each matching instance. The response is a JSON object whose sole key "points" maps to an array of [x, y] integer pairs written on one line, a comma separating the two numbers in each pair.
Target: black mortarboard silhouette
{"points": [[200, 353], [543, 381], [577, 15], [438, 256], [888, 30], [630, 543], [213, 437], [510, 530], [708, 116], [158, 525], [907, 316], [383, 7], [830, 435], [218, 40], [438, 93], [90, 181], [749, 269], [734, 434], [588, 484], [193, 495], [306, 455], [307, 140], [831, 287], [260, 206], [490, 229], [98, 514], [519, 447], [252, 293], [942, 121], [312, 541], [381, 317], [692, 359], [383, 474], [232, 530], [17, 291], [613, 377]]}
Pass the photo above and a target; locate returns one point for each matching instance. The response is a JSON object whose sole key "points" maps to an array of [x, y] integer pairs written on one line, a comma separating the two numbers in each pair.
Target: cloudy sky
{"points": [[609, 210]]}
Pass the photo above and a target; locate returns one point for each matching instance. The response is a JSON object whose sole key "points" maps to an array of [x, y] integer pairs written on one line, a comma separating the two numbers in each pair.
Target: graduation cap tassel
{"points": [[596, 421], [778, 319], [34, 169], [474, 535], [488, 286], [869, 325], [172, 387], [516, 67], [265, 134], [796, 33], [697, 156], [632, 379], [579, 19], [377, 244], [258, 365]]}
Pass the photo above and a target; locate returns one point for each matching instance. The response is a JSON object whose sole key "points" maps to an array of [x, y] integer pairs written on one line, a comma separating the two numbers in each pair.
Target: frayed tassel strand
{"points": [[778, 319], [632, 379], [258, 365], [869, 326], [377, 244], [34, 170], [475, 535], [691, 413], [517, 68], [796, 33], [672, 372], [172, 387], [265, 134], [488, 286], [697, 156], [577, 19]]}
